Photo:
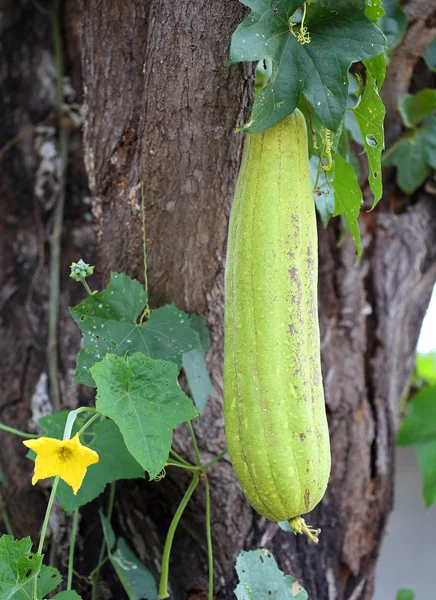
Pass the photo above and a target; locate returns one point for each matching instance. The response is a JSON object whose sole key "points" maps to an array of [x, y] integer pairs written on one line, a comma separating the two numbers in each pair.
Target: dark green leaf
{"points": [[144, 399], [339, 36], [405, 594], [18, 565], [420, 424], [348, 198], [136, 580], [414, 108], [108, 322], [194, 365], [430, 56], [427, 463], [394, 23], [414, 154], [198, 324], [260, 577], [115, 461], [108, 532], [370, 114]]}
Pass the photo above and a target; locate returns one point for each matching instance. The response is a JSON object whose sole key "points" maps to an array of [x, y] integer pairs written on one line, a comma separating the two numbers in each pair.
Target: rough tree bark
{"points": [[161, 110]]}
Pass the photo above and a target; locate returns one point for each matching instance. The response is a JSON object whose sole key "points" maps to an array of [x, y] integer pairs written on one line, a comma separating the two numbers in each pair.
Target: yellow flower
{"points": [[67, 458]]}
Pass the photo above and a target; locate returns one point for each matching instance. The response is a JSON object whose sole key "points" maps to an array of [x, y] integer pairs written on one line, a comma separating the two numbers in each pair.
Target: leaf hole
{"points": [[371, 141]]}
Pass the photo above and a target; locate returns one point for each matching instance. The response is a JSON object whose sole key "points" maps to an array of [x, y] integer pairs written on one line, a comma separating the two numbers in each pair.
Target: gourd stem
{"points": [[298, 525]]}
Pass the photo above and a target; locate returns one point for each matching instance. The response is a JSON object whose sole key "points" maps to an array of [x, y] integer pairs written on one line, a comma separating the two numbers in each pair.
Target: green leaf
{"points": [[144, 399], [355, 91], [108, 532], [324, 200], [198, 324], [284, 525], [377, 67], [108, 322], [136, 580], [18, 565], [430, 56], [339, 36], [420, 423], [48, 579], [348, 198], [426, 367], [374, 10], [394, 22], [67, 595], [369, 114], [414, 108], [115, 461], [260, 577], [414, 154], [405, 594], [427, 463], [194, 365]]}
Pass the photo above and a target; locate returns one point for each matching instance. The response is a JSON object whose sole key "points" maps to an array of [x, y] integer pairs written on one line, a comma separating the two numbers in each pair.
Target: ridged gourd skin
{"points": [[274, 407]]}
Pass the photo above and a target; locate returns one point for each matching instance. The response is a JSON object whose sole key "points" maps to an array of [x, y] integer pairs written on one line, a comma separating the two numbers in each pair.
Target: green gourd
{"points": [[274, 409]]}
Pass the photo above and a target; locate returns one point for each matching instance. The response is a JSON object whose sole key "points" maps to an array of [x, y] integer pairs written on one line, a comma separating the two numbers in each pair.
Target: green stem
{"points": [[209, 537], [95, 571], [5, 517], [86, 286], [194, 443], [163, 585], [215, 460], [180, 458], [88, 423], [18, 432], [180, 466], [56, 236], [72, 546], [44, 529]]}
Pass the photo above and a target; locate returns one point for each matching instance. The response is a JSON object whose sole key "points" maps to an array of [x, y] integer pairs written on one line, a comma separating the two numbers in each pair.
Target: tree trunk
{"points": [[161, 109]]}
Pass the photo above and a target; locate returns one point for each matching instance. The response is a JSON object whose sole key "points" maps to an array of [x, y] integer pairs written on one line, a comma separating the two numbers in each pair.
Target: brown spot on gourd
{"points": [[307, 498], [302, 436], [292, 329]]}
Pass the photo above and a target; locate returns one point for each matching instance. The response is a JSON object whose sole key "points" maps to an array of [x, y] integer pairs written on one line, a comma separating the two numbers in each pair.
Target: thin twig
{"points": [[56, 236]]}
